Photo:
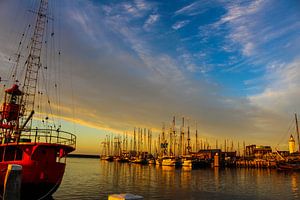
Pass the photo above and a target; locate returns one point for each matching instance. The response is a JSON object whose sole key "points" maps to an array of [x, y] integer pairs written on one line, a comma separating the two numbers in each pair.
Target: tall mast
{"points": [[145, 140], [188, 140], [33, 62], [149, 140], [138, 140], [170, 142], [174, 136], [197, 149], [297, 129], [182, 138], [164, 141], [134, 140]]}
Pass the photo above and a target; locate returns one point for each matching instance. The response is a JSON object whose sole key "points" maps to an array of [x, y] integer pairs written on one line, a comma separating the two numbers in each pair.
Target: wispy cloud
{"points": [[150, 21], [180, 24], [195, 8], [282, 90], [241, 21], [136, 8], [83, 20]]}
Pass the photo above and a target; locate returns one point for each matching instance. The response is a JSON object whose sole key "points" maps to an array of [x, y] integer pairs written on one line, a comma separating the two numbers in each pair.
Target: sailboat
{"points": [[41, 151], [171, 159]]}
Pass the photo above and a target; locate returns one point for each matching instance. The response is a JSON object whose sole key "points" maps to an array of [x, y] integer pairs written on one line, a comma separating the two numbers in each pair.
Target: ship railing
{"points": [[51, 136]]}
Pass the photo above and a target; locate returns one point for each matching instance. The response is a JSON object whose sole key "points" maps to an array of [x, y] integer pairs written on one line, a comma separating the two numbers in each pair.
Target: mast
{"points": [[170, 142], [174, 136], [197, 149], [145, 140], [297, 129], [159, 145], [149, 140], [182, 138], [164, 141], [239, 149], [188, 140], [134, 140], [33, 62], [139, 141]]}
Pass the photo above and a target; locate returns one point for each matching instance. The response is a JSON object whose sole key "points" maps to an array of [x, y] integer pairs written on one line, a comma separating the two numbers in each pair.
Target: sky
{"points": [[232, 67]]}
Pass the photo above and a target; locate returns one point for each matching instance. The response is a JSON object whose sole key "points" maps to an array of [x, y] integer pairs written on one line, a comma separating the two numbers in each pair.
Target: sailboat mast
{"points": [[182, 138], [134, 140], [188, 140], [33, 62], [174, 137], [164, 142], [297, 129], [197, 138]]}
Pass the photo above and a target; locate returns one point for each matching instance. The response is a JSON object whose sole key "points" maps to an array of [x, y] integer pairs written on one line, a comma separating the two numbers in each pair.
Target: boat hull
{"points": [[42, 171], [289, 167], [37, 182], [171, 162]]}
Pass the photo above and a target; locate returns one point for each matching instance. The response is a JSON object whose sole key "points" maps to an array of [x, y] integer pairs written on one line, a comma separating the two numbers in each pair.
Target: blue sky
{"points": [[232, 66]]}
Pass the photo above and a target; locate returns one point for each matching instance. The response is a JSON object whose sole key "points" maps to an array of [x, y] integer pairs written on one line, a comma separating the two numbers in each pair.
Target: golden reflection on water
{"points": [[89, 179], [167, 168], [186, 168], [186, 179], [216, 177], [294, 184]]}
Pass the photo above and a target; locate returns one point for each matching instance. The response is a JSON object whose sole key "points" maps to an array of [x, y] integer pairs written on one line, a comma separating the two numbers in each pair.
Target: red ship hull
{"points": [[43, 166]]}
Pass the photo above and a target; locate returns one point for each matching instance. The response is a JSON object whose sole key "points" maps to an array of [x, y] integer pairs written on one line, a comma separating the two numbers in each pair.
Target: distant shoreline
{"points": [[82, 156]]}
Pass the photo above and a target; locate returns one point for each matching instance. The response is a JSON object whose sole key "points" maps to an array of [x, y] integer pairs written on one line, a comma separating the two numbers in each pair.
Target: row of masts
{"points": [[178, 141], [172, 141], [140, 141]]}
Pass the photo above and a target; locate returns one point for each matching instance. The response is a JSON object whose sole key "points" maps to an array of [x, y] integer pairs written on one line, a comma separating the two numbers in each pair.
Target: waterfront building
{"points": [[253, 151]]}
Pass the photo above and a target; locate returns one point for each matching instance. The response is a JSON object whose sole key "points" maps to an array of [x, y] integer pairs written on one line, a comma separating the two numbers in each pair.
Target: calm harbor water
{"points": [[94, 179]]}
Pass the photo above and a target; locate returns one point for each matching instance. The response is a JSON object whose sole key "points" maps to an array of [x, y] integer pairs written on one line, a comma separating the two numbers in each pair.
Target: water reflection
{"points": [[294, 183], [94, 179]]}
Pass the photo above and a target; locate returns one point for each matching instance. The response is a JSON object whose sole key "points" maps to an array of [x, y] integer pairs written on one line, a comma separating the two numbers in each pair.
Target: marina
{"points": [[174, 149]]}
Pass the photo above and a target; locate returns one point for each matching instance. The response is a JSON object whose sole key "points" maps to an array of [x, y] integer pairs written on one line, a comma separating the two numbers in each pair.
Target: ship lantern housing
{"points": [[11, 104]]}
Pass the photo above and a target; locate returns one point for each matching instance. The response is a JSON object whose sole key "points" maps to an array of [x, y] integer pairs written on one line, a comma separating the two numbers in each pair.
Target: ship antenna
{"points": [[33, 62]]}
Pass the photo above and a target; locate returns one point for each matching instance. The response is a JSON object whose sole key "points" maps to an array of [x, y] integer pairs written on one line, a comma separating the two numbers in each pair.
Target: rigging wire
{"points": [[287, 132], [11, 74]]}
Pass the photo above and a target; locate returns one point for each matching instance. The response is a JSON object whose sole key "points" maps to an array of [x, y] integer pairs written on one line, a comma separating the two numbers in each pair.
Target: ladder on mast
{"points": [[33, 62]]}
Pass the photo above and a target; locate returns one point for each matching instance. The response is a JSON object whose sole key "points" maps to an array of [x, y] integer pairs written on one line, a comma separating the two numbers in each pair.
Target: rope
{"points": [[287, 132]]}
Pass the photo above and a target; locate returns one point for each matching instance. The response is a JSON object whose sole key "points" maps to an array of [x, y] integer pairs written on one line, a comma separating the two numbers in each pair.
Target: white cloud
{"points": [[282, 91], [180, 24], [242, 23], [248, 49], [238, 26], [137, 8], [195, 8], [142, 5], [83, 19], [150, 21]]}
